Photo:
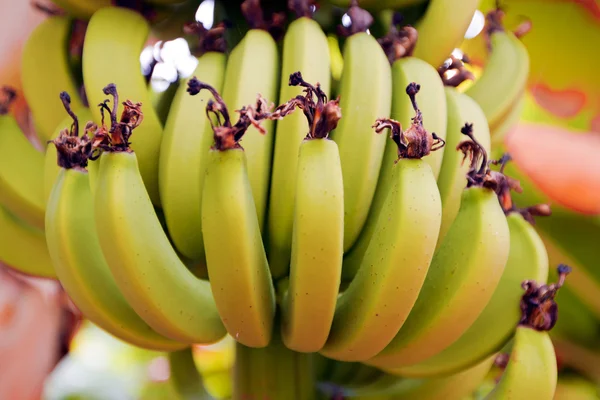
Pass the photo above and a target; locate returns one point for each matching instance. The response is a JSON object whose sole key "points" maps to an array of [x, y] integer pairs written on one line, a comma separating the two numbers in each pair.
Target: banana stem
{"points": [[273, 372]]}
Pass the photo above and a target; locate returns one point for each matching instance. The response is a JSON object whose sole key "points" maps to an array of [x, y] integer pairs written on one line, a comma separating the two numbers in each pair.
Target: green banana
{"points": [[318, 225], [455, 386], [239, 274], [23, 247], [443, 28], [21, 169], [153, 280], [252, 68], [495, 325], [183, 158], [531, 372], [370, 312], [305, 49], [185, 376], [463, 274], [452, 178], [78, 260], [113, 42], [505, 73], [48, 43], [366, 94]]}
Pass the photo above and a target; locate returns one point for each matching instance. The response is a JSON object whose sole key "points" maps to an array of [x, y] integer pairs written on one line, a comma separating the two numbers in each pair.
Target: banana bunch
{"points": [[374, 267]]}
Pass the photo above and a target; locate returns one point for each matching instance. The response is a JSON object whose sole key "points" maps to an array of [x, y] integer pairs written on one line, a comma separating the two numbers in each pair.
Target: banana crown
{"points": [[254, 15], [538, 307], [415, 142], [8, 95], [480, 173], [360, 20], [322, 115], [493, 24], [72, 150], [209, 40], [226, 135], [399, 42]]}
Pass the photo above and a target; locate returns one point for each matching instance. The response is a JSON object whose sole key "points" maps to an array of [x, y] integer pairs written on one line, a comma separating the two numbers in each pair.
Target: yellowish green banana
{"points": [[443, 28], [318, 226], [527, 260], [305, 49], [48, 44], [114, 40], [240, 279], [531, 372], [253, 68], [381, 295], [365, 95], [504, 77], [80, 264], [23, 247], [152, 278], [462, 277], [184, 156], [21, 170]]}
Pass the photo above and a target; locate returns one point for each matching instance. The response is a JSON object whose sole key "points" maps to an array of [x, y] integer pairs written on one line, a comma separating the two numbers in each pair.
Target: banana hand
{"points": [[381, 295], [495, 326]]}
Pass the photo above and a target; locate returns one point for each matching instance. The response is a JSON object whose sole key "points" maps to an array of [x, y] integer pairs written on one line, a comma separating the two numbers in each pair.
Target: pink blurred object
{"points": [[30, 326], [564, 165]]}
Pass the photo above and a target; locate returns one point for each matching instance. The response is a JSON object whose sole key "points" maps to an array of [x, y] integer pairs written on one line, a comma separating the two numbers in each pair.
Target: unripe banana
{"points": [[21, 170], [113, 42], [305, 49], [508, 122], [505, 73], [527, 260], [237, 264], [157, 285], [433, 106], [81, 267], [23, 247], [49, 44], [185, 376], [531, 372], [462, 277], [443, 28], [183, 158], [318, 226], [381, 295], [253, 68], [452, 179], [365, 92]]}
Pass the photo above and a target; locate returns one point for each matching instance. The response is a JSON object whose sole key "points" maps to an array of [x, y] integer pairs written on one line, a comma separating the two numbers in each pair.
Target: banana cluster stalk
{"points": [[335, 258]]}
